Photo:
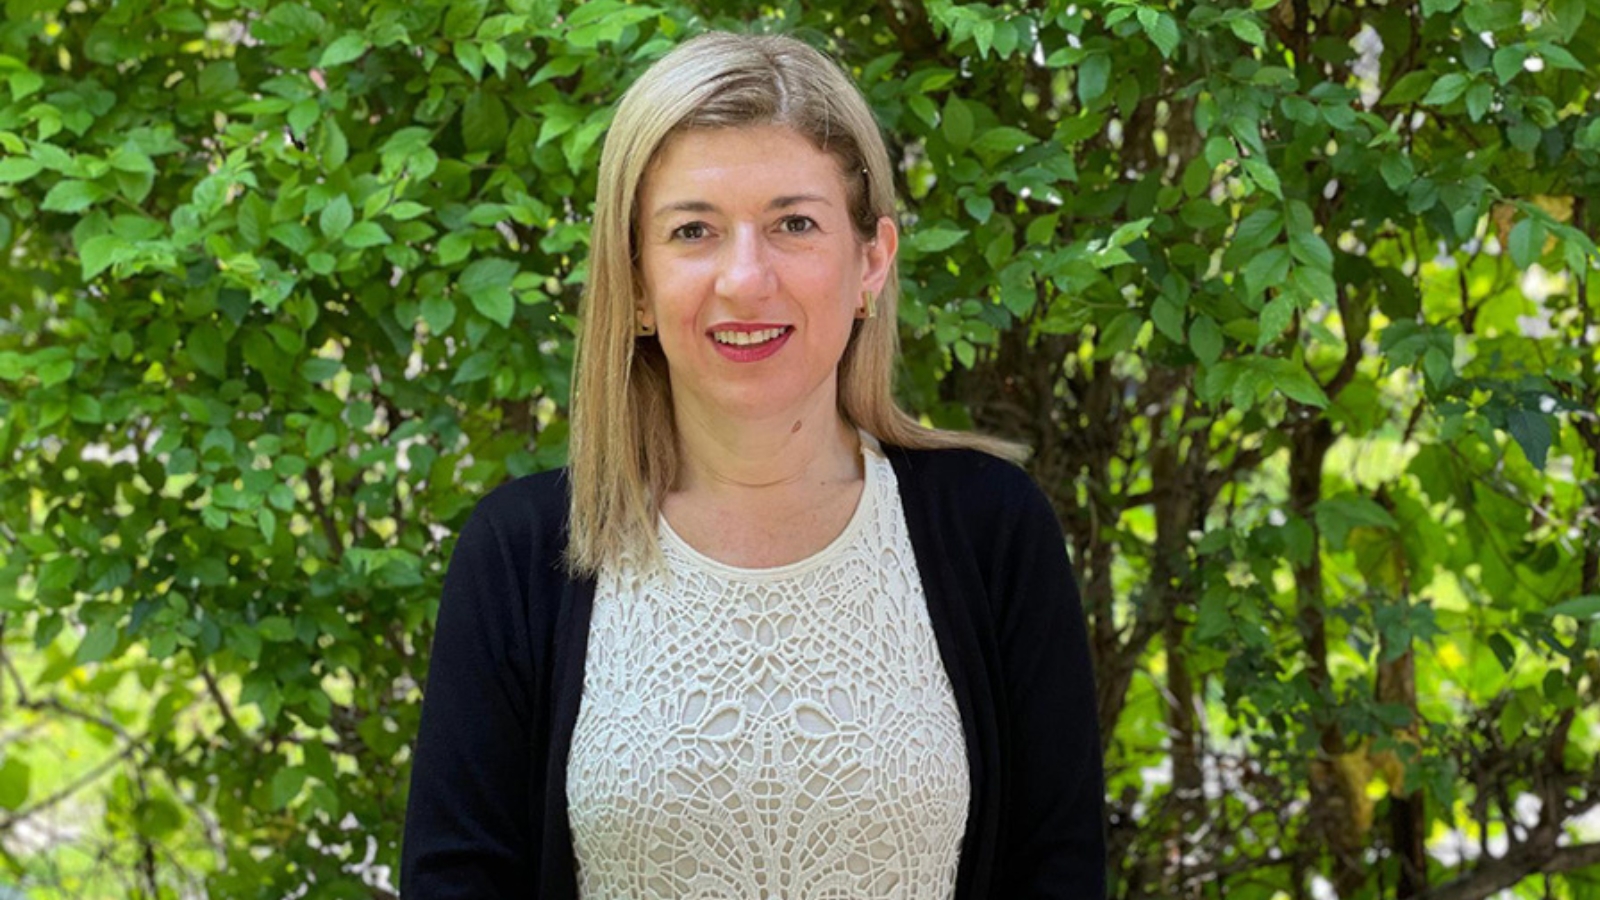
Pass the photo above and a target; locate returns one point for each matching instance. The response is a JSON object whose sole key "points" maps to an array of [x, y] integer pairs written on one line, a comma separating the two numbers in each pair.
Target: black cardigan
{"points": [[487, 815]]}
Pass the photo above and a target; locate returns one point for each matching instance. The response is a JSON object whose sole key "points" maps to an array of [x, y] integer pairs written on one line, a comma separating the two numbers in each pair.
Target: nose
{"points": [[746, 270]]}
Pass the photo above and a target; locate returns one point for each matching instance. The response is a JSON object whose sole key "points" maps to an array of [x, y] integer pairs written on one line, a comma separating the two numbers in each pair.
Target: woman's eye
{"points": [[693, 231], [798, 224]]}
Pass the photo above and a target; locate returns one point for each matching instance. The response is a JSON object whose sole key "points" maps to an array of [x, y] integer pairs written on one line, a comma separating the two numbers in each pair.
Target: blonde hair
{"points": [[624, 449]]}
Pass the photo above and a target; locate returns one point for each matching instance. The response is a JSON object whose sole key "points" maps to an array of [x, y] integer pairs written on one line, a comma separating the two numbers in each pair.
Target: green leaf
{"points": [[336, 217], [208, 351], [98, 643], [1247, 30], [343, 50], [1569, 16], [1338, 514], [1508, 62], [1263, 175], [936, 239], [303, 115], [1205, 338], [1162, 29], [1316, 284], [1479, 97], [965, 353], [1559, 57], [1117, 335], [1532, 432], [366, 234], [101, 251], [957, 123], [1527, 242], [1275, 318], [1259, 229], [1449, 87], [1294, 382], [1397, 171], [487, 283], [1094, 73], [1128, 232], [158, 818], [25, 83], [1408, 89], [277, 629], [484, 123], [486, 274], [72, 196], [495, 56], [1309, 247], [55, 371], [320, 438], [320, 369], [16, 169], [60, 574], [405, 210], [86, 408], [439, 313], [1504, 652], [285, 786], [1168, 316], [477, 367], [1267, 269], [1430, 7], [1004, 141], [1299, 109], [1580, 608], [16, 779]]}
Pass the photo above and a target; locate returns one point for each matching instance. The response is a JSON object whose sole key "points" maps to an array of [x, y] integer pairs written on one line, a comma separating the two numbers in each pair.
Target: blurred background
{"points": [[1292, 298]]}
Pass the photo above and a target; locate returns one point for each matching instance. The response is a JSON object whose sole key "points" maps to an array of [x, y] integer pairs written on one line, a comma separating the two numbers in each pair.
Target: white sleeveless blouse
{"points": [[770, 734]]}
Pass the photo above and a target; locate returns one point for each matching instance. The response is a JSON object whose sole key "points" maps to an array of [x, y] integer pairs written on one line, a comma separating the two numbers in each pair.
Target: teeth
{"points": [[746, 338]]}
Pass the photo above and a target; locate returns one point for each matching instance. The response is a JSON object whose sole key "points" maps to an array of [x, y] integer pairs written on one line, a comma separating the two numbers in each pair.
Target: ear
{"points": [[880, 255], [644, 318]]}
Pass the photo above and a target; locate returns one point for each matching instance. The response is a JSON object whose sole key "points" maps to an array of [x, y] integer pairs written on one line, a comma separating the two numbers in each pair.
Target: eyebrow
{"points": [[701, 206]]}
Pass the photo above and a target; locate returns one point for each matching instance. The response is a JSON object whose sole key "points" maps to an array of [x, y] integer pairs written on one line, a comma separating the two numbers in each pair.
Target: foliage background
{"points": [[1292, 297]]}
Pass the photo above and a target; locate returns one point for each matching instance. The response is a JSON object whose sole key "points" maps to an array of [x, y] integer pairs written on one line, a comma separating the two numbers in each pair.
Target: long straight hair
{"points": [[624, 446]]}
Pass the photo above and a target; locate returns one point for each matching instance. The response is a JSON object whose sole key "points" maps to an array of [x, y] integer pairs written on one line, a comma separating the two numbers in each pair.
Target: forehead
{"points": [[750, 158]]}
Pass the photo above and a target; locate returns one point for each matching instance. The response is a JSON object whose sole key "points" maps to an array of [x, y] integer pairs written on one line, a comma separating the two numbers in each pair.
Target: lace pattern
{"points": [[774, 733]]}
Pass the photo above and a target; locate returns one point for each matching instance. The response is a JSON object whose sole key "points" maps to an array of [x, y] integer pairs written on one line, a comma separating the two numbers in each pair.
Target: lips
{"points": [[749, 342]]}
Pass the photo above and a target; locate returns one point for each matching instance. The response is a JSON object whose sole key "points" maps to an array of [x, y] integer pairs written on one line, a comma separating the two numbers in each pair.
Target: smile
{"points": [[749, 345], [748, 338]]}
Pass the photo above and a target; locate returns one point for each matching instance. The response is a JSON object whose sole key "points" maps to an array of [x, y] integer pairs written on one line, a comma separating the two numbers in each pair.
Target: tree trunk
{"points": [[1333, 800]]}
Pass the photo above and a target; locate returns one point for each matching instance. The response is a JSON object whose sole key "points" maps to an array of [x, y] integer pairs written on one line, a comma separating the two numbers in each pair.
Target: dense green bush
{"points": [[1292, 298]]}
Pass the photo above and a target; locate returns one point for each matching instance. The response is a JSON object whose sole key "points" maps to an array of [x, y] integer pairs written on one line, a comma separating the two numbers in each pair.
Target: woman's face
{"points": [[752, 270]]}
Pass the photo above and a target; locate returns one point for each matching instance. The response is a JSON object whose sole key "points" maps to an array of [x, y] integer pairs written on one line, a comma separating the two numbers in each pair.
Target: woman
{"points": [[768, 636]]}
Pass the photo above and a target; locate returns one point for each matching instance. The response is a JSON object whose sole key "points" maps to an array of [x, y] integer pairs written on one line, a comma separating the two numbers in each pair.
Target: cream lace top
{"points": [[782, 734]]}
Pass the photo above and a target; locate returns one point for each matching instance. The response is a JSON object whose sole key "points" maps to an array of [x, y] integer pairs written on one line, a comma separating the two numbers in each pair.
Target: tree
{"points": [[1292, 298]]}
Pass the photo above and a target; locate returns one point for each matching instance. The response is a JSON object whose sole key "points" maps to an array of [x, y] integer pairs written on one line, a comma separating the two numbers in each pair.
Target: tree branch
{"points": [[1507, 871]]}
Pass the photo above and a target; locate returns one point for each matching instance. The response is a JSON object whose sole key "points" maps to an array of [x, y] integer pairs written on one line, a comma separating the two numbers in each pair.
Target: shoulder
{"points": [[969, 482], [542, 497], [523, 516]]}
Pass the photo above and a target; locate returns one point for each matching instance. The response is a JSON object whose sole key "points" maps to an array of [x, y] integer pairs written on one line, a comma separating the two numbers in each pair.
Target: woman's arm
{"points": [[1054, 841], [467, 831]]}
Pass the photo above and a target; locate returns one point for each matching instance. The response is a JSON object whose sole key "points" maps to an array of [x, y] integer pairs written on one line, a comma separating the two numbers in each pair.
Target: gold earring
{"points": [[869, 308], [641, 327]]}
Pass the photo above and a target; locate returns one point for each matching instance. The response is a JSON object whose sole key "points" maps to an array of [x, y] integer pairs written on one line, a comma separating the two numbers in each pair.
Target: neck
{"points": [[806, 448]]}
